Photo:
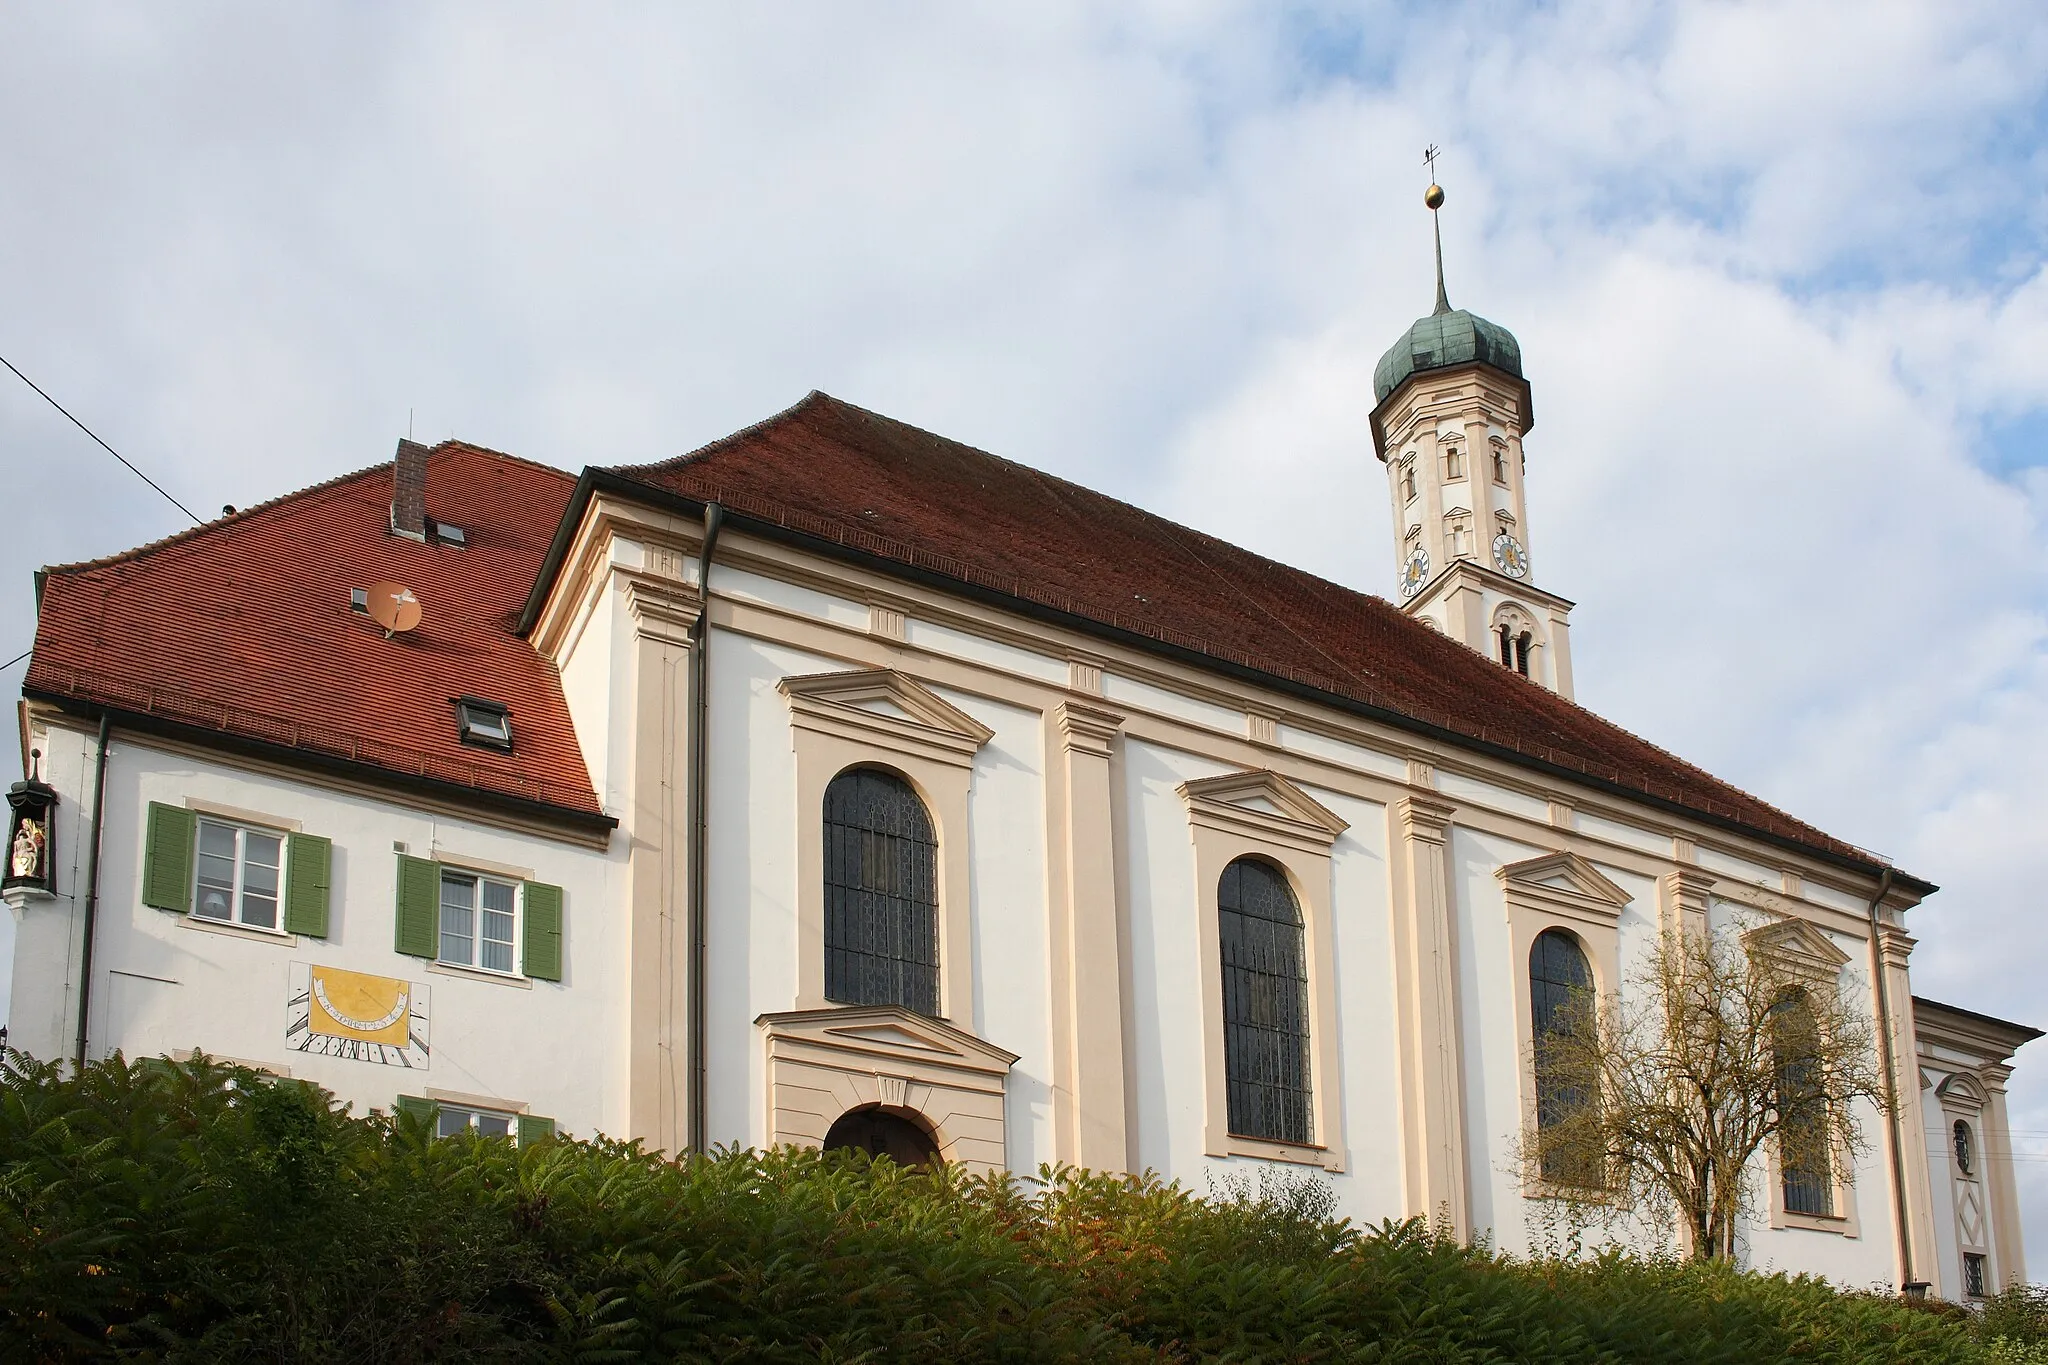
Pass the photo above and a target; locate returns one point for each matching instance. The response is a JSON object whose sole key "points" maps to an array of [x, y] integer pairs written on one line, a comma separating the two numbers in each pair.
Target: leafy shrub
{"points": [[201, 1213]]}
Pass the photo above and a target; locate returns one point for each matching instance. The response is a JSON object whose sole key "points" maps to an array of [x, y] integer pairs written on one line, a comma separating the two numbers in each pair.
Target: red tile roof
{"points": [[834, 472], [243, 627]]}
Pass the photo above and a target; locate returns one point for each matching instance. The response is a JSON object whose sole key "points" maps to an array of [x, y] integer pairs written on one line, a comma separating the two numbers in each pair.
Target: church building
{"points": [[838, 783]]}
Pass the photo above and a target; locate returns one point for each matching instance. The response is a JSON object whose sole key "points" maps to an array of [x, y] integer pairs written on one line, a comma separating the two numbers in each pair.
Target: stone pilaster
{"points": [[1425, 945], [1682, 898], [2007, 1248], [1088, 995], [657, 1072], [1895, 947]]}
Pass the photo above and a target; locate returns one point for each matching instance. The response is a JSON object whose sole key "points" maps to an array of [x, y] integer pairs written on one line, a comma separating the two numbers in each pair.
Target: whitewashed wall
{"points": [[163, 981]]}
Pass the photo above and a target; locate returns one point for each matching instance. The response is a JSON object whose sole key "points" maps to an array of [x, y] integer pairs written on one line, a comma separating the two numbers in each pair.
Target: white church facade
{"points": [[841, 783]]}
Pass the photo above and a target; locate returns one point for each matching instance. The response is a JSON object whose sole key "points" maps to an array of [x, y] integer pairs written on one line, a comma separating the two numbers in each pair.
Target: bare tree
{"points": [[1664, 1103]]}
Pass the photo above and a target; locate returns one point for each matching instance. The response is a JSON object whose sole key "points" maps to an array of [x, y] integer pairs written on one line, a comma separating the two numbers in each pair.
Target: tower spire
{"points": [[1434, 198]]}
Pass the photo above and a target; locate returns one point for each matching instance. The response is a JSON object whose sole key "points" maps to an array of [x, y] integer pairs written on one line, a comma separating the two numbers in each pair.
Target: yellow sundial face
{"points": [[355, 1005], [331, 1012]]}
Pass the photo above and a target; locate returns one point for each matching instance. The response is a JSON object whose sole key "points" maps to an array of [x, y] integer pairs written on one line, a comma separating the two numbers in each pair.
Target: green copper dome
{"points": [[1449, 336]]}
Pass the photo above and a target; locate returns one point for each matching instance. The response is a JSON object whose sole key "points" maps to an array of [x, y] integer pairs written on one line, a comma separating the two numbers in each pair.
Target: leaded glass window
{"points": [[1265, 1003], [1560, 988], [1805, 1164], [881, 896]]}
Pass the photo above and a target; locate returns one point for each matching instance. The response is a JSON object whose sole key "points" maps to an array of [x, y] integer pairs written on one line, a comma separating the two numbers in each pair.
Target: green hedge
{"points": [[199, 1213]]}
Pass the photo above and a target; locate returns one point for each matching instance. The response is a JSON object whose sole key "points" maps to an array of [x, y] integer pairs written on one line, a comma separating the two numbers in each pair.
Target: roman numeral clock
{"points": [[358, 1017]]}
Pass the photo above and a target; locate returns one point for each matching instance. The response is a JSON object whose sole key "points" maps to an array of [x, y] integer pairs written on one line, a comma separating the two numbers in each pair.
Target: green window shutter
{"points": [[309, 861], [167, 858], [419, 907], [417, 1108], [541, 953], [532, 1128]]}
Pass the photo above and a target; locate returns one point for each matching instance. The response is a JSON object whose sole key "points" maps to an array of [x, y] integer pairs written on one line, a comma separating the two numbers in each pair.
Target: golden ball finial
{"points": [[1433, 197]]}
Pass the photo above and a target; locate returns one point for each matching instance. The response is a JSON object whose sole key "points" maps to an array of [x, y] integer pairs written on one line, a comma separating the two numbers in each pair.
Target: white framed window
{"points": [[479, 921], [239, 878], [451, 1119], [1454, 462], [1408, 481], [1500, 465]]}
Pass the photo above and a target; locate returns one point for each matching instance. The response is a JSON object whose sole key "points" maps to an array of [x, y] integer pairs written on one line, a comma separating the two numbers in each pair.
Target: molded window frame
{"points": [[1963, 1099], [881, 718], [1563, 891], [1261, 814], [1816, 964]]}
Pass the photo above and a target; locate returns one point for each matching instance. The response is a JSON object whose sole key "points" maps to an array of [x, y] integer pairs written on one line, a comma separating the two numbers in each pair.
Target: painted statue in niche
{"points": [[31, 803], [26, 862]]}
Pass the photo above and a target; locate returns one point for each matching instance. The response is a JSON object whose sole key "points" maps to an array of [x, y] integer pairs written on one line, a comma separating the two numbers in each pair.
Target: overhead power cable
{"points": [[95, 435], [15, 660]]}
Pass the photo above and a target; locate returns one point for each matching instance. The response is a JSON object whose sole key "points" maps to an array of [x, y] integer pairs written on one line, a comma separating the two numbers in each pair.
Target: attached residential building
{"points": [[967, 811]]}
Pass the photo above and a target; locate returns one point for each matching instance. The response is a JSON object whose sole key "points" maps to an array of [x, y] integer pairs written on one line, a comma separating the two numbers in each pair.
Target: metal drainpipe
{"points": [[700, 742], [1909, 1284], [92, 892]]}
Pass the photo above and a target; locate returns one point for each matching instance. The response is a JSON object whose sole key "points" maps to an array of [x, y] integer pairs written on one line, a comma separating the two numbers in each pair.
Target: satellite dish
{"points": [[393, 607]]}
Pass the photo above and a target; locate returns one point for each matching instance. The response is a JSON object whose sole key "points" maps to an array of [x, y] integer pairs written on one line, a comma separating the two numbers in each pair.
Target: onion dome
{"points": [[1449, 336]]}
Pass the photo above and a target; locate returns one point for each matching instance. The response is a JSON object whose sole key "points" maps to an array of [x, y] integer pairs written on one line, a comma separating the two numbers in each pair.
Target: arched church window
{"points": [[1408, 481], [1560, 995], [1522, 647], [881, 897], [1805, 1161], [1454, 462], [1965, 1149], [1500, 465], [1507, 646], [1265, 1003]]}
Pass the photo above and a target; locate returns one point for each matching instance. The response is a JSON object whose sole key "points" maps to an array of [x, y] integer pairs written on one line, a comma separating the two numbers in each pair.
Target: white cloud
{"points": [[1774, 266]]}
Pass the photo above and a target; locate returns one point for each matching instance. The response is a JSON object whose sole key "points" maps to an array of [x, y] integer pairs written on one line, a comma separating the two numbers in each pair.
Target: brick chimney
{"points": [[409, 490]]}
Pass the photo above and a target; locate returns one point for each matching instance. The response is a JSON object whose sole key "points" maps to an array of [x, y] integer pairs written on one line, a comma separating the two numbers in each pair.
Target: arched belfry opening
{"points": [[880, 1133]]}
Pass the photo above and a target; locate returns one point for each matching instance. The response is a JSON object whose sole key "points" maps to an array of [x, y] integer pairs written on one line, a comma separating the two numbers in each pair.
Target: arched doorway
{"points": [[882, 1134]]}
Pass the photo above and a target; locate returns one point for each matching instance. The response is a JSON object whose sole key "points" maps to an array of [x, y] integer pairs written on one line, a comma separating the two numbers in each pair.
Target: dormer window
{"points": [[485, 723]]}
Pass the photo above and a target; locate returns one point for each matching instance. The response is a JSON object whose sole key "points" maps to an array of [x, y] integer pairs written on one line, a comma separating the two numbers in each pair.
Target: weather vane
{"points": [[1433, 198]]}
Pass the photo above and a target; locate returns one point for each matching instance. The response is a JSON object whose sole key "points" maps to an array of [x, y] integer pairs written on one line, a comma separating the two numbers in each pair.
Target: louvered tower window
{"points": [[1265, 1003], [1560, 979], [881, 900]]}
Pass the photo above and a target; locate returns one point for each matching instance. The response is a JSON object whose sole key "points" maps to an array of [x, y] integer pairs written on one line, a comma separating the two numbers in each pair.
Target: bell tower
{"points": [[1452, 409]]}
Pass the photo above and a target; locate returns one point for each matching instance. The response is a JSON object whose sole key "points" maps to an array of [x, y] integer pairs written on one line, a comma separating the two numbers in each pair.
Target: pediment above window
{"points": [[1963, 1091], [888, 1033], [1265, 805], [1564, 884], [870, 704], [1797, 945]]}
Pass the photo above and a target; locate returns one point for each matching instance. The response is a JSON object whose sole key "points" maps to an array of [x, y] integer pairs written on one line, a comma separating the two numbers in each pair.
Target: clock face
{"points": [[1509, 556], [334, 1013], [1415, 572]]}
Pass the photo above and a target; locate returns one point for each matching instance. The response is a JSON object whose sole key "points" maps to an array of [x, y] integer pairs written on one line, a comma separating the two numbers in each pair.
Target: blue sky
{"points": [[1776, 269]]}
